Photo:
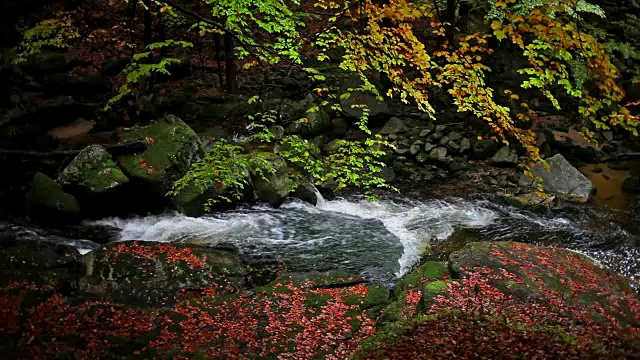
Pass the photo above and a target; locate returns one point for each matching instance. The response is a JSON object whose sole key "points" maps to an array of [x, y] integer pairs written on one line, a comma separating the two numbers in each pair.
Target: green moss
{"points": [[94, 170], [46, 195], [393, 312], [172, 148], [429, 271], [103, 177]]}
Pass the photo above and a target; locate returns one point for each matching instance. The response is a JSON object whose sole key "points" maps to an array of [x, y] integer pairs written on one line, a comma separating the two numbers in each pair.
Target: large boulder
{"points": [[537, 272], [172, 148], [307, 192], [351, 105], [484, 149], [40, 262], [48, 203], [563, 180], [150, 273], [271, 186], [195, 201], [394, 126], [93, 170], [510, 299], [316, 122]]}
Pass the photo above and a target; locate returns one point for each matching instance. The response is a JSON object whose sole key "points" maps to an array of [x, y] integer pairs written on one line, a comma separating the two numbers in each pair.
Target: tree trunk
{"points": [[230, 64], [161, 35], [148, 29], [131, 14], [217, 44], [449, 16]]}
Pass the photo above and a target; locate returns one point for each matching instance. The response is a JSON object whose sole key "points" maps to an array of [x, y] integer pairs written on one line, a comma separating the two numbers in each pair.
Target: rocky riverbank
{"points": [[142, 300]]}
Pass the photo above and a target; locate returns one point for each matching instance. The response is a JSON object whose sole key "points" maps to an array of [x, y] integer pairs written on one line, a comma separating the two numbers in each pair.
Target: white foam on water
{"points": [[320, 202], [416, 224], [310, 231]]}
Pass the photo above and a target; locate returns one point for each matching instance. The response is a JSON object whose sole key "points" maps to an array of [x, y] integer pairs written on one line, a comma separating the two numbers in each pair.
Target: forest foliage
{"points": [[420, 49]]}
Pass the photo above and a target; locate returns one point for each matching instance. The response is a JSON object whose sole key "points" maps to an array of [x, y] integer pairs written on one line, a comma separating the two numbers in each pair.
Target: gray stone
{"points": [[465, 145], [437, 136], [440, 128], [393, 136], [398, 166], [453, 147], [418, 142], [484, 149], [424, 133], [317, 122], [456, 166], [438, 154], [277, 131], [564, 180], [506, 156], [387, 174], [531, 199], [306, 192], [272, 187], [428, 147], [402, 151], [444, 141], [115, 273], [40, 262], [350, 105], [414, 149], [454, 136], [319, 140], [393, 126]]}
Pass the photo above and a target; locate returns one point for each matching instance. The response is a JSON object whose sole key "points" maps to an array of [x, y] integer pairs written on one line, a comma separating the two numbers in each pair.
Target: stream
{"points": [[380, 240], [385, 239]]}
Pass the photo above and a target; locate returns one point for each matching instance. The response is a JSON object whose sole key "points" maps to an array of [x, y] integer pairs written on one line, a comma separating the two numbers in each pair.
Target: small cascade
{"points": [[320, 200]]}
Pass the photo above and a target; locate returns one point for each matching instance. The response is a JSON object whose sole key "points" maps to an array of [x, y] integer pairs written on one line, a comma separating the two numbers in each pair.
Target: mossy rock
{"points": [[577, 279], [41, 263], [425, 273], [93, 170], [418, 280], [151, 273], [173, 147], [48, 203], [271, 186]]}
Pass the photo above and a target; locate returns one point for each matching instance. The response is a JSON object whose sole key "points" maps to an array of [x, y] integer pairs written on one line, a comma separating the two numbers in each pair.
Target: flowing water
{"points": [[384, 239]]}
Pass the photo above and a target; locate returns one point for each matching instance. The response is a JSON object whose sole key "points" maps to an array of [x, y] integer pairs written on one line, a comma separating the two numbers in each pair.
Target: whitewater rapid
{"points": [[384, 238]]}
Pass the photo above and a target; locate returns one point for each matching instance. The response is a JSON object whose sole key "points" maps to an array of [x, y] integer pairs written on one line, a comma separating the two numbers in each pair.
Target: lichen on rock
{"points": [[93, 170]]}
